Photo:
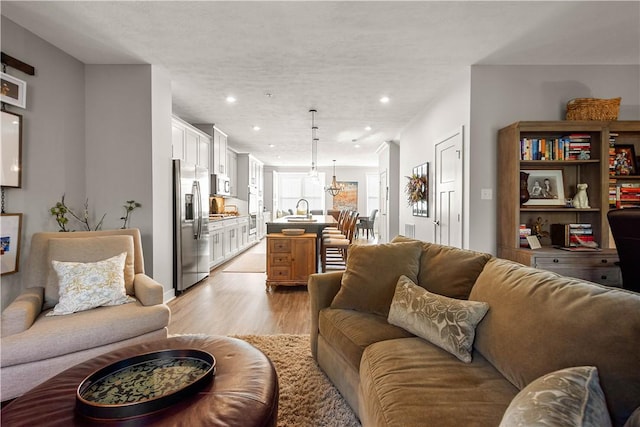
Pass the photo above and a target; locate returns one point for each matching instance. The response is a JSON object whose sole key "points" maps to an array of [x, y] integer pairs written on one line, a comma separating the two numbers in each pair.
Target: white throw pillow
{"points": [[446, 322], [570, 397], [84, 286]]}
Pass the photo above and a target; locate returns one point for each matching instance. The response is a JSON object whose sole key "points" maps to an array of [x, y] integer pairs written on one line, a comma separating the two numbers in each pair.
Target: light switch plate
{"points": [[486, 194]]}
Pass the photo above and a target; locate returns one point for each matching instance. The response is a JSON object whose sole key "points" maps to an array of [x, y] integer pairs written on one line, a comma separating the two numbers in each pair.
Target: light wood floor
{"points": [[238, 304]]}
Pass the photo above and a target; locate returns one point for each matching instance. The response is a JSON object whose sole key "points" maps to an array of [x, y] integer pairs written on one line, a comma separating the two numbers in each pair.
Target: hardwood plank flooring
{"points": [[238, 304]]}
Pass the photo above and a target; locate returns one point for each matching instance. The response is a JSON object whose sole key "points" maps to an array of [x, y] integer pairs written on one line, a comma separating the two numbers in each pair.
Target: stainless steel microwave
{"points": [[221, 185]]}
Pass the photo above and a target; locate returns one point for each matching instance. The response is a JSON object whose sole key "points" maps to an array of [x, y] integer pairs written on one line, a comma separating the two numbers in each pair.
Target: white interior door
{"points": [[448, 190], [383, 224]]}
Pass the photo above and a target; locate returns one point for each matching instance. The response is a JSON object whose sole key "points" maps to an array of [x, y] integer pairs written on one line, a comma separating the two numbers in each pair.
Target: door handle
{"points": [[436, 222]]}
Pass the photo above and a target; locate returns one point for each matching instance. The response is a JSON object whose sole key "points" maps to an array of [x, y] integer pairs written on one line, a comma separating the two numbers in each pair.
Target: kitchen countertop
{"points": [[223, 218]]}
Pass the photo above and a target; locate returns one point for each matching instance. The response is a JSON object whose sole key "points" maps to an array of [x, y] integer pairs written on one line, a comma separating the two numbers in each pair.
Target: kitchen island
{"points": [[315, 224]]}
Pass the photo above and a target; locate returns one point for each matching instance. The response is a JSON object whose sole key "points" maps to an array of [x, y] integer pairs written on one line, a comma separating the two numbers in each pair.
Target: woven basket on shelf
{"points": [[593, 109]]}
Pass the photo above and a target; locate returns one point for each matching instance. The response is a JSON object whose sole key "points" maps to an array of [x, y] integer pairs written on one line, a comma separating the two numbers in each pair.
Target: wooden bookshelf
{"points": [[593, 171]]}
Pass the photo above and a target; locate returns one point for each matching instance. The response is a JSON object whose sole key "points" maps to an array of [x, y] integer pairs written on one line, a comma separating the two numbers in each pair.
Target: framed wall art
{"points": [[546, 187], [11, 150], [347, 198], [624, 160], [13, 91], [10, 235], [417, 190]]}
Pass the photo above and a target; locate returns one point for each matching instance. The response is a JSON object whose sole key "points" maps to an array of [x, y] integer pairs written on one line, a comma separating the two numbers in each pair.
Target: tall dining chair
{"points": [[334, 248], [367, 223], [625, 227]]}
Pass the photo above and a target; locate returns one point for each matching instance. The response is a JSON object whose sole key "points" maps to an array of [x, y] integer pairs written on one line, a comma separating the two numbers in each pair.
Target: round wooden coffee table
{"points": [[244, 391]]}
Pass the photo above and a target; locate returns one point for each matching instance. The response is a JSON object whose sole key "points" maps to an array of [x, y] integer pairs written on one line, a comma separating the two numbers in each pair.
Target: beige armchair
{"points": [[36, 347]]}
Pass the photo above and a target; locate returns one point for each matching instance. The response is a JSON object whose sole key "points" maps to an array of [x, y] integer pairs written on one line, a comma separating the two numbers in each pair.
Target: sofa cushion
{"points": [[541, 322], [570, 397], [448, 323], [446, 270], [369, 281], [87, 249], [410, 382], [349, 332], [87, 285], [58, 335]]}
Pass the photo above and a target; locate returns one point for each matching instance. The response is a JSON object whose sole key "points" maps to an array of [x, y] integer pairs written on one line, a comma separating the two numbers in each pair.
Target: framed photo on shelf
{"points": [[10, 230], [546, 187], [625, 161], [13, 91]]}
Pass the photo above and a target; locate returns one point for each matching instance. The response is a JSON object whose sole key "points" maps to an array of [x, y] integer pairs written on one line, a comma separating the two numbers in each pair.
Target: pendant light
{"points": [[314, 146], [334, 189]]}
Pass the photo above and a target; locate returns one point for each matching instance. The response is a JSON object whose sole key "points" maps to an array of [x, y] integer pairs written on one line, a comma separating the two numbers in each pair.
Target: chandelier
{"points": [[314, 145], [334, 189]]}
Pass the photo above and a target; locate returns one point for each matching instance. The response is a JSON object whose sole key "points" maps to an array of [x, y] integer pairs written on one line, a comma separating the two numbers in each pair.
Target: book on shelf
{"points": [[572, 235], [570, 147], [627, 195]]}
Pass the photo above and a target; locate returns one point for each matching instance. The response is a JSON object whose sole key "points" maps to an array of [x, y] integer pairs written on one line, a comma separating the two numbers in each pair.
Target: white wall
{"points": [[128, 132], [501, 95], [52, 141], [439, 120]]}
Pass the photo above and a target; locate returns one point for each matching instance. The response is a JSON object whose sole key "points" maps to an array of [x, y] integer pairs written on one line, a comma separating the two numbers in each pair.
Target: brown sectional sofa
{"points": [[538, 322]]}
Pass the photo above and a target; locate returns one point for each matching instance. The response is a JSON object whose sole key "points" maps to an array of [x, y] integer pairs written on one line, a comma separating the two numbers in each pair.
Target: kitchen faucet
{"points": [[306, 204]]}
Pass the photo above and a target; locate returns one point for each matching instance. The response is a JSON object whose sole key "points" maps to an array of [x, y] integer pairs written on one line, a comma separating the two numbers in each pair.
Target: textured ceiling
{"points": [[336, 57]]}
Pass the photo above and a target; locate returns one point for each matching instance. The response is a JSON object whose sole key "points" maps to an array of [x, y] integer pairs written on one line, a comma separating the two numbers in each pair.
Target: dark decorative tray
{"points": [[144, 384]]}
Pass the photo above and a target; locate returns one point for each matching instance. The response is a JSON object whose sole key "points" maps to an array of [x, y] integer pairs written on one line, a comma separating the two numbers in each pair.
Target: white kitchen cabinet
{"points": [[232, 167], [189, 144], [177, 140], [219, 152], [216, 243], [243, 240]]}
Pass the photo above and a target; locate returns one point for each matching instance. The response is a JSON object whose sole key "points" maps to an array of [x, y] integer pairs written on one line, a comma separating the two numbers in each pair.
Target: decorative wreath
{"points": [[416, 189]]}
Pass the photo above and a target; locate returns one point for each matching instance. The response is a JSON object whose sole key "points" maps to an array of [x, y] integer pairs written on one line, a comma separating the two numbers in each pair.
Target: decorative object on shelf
{"points": [[593, 109], [128, 208], [10, 236], [314, 145], [11, 150], [546, 187], [334, 189], [581, 200], [348, 197], [13, 90], [524, 191], [624, 162], [537, 230], [417, 190]]}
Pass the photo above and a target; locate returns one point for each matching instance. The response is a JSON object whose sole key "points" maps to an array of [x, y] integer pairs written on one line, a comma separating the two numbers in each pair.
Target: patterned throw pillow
{"points": [[446, 322], [84, 286], [569, 397]]}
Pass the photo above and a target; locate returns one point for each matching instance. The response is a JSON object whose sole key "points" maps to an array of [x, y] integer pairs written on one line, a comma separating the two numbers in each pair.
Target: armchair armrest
{"points": [[147, 290], [322, 288], [22, 312]]}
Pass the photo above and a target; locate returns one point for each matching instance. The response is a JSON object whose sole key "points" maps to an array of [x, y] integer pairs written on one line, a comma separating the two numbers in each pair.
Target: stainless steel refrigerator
{"points": [[190, 224]]}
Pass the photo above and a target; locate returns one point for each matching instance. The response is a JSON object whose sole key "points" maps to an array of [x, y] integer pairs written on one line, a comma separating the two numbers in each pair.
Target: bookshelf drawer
{"points": [[593, 260], [609, 276]]}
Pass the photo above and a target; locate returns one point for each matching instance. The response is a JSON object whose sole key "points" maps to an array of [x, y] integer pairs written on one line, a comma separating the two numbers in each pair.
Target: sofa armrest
{"points": [[147, 290], [322, 288], [22, 312]]}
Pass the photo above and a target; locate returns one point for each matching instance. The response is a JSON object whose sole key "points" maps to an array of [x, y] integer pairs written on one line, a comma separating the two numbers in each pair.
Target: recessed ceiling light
{"points": [[384, 99], [256, 128], [368, 128], [231, 99], [357, 146], [271, 145]]}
